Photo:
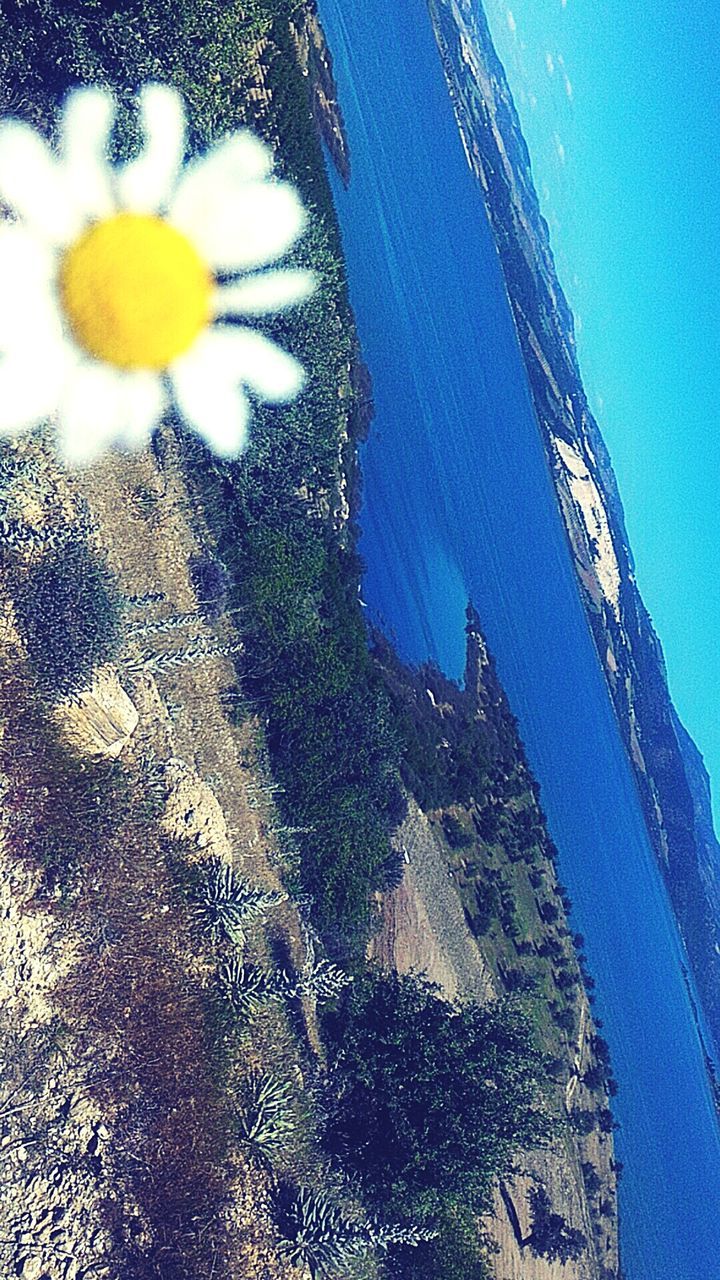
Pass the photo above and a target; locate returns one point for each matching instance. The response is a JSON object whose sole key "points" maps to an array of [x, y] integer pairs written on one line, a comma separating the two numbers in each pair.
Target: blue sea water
{"points": [[458, 503]]}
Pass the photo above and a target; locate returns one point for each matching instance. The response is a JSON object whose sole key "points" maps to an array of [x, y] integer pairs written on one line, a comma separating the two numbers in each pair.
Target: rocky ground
{"points": [[118, 1157]]}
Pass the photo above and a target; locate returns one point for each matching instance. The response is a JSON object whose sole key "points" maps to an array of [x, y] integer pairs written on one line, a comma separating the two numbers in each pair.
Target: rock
{"points": [[101, 719], [29, 1267], [193, 813], [82, 1110]]}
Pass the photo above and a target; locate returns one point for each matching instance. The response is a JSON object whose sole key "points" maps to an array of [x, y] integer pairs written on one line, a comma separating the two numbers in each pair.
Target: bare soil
{"points": [[115, 1123]]}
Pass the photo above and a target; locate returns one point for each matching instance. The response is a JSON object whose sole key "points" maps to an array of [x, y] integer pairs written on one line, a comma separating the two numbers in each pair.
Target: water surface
{"points": [[458, 503]]}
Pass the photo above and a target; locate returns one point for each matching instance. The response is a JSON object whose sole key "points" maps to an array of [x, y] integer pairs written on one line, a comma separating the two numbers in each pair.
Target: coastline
{"points": [[666, 765]]}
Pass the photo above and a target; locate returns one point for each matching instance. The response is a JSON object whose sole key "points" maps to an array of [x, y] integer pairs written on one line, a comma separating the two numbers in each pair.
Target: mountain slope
{"points": [[481, 910], [671, 780]]}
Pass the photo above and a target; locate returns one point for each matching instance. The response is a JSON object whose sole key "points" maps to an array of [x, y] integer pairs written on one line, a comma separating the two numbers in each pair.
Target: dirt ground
{"points": [[112, 1126]]}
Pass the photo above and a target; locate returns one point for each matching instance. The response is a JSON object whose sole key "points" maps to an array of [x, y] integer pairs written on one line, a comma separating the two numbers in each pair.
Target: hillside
{"points": [[481, 909], [205, 810], [668, 769]]}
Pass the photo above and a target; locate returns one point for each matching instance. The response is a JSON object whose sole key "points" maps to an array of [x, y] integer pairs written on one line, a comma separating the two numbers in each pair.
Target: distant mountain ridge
{"points": [[671, 778]]}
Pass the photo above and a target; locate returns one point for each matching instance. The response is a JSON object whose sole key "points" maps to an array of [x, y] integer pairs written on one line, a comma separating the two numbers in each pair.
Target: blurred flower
{"points": [[115, 281]]}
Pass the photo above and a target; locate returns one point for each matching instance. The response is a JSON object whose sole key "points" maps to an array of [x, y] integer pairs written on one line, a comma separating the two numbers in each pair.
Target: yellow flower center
{"points": [[135, 292]]}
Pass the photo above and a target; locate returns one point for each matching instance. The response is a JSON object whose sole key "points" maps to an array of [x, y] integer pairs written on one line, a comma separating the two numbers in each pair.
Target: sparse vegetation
{"points": [[224, 903], [60, 808]]}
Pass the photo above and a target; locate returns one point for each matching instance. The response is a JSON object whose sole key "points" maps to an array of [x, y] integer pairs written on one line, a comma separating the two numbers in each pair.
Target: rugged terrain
{"points": [[137, 1017], [482, 912], [668, 768], [115, 1125]]}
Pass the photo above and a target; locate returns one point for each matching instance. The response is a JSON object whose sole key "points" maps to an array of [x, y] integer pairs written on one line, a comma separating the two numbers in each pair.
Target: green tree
{"points": [[551, 1237], [431, 1097]]}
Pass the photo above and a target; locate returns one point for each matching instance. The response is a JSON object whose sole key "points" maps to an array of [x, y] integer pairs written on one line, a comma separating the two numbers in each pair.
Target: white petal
{"points": [[145, 184], [144, 401], [30, 387], [258, 295], [28, 307], [232, 162], [102, 405], [209, 398], [243, 155], [235, 223], [87, 121], [268, 370], [33, 184]]}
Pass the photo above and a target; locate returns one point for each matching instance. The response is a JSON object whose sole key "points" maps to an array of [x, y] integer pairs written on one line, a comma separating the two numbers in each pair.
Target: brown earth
{"points": [[113, 1127]]}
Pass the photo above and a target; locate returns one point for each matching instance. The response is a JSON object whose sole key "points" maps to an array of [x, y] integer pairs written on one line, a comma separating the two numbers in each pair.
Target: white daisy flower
{"points": [[115, 281]]}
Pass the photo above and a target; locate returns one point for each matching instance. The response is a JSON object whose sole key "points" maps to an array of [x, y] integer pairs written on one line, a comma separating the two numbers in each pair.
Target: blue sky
{"points": [[620, 106]]}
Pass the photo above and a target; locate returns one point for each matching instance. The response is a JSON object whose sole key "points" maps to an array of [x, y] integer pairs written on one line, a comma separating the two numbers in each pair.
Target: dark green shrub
{"points": [[565, 979], [484, 908], [210, 583], [594, 1077], [565, 1018], [606, 1121], [591, 1178], [582, 1121], [431, 1098], [551, 1237], [393, 870], [520, 981], [69, 615], [548, 912]]}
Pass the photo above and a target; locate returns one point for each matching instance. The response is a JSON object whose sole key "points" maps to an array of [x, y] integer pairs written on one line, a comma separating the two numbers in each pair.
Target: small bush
{"points": [[393, 870], [565, 1018], [548, 912], [591, 1178], [268, 1119], [582, 1121], [210, 583], [245, 987], [457, 836], [224, 903], [315, 1233], [319, 1237], [68, 613], [485, 907], [551, 1236], [606, 1121], [520, 981], [457, 1252]]}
